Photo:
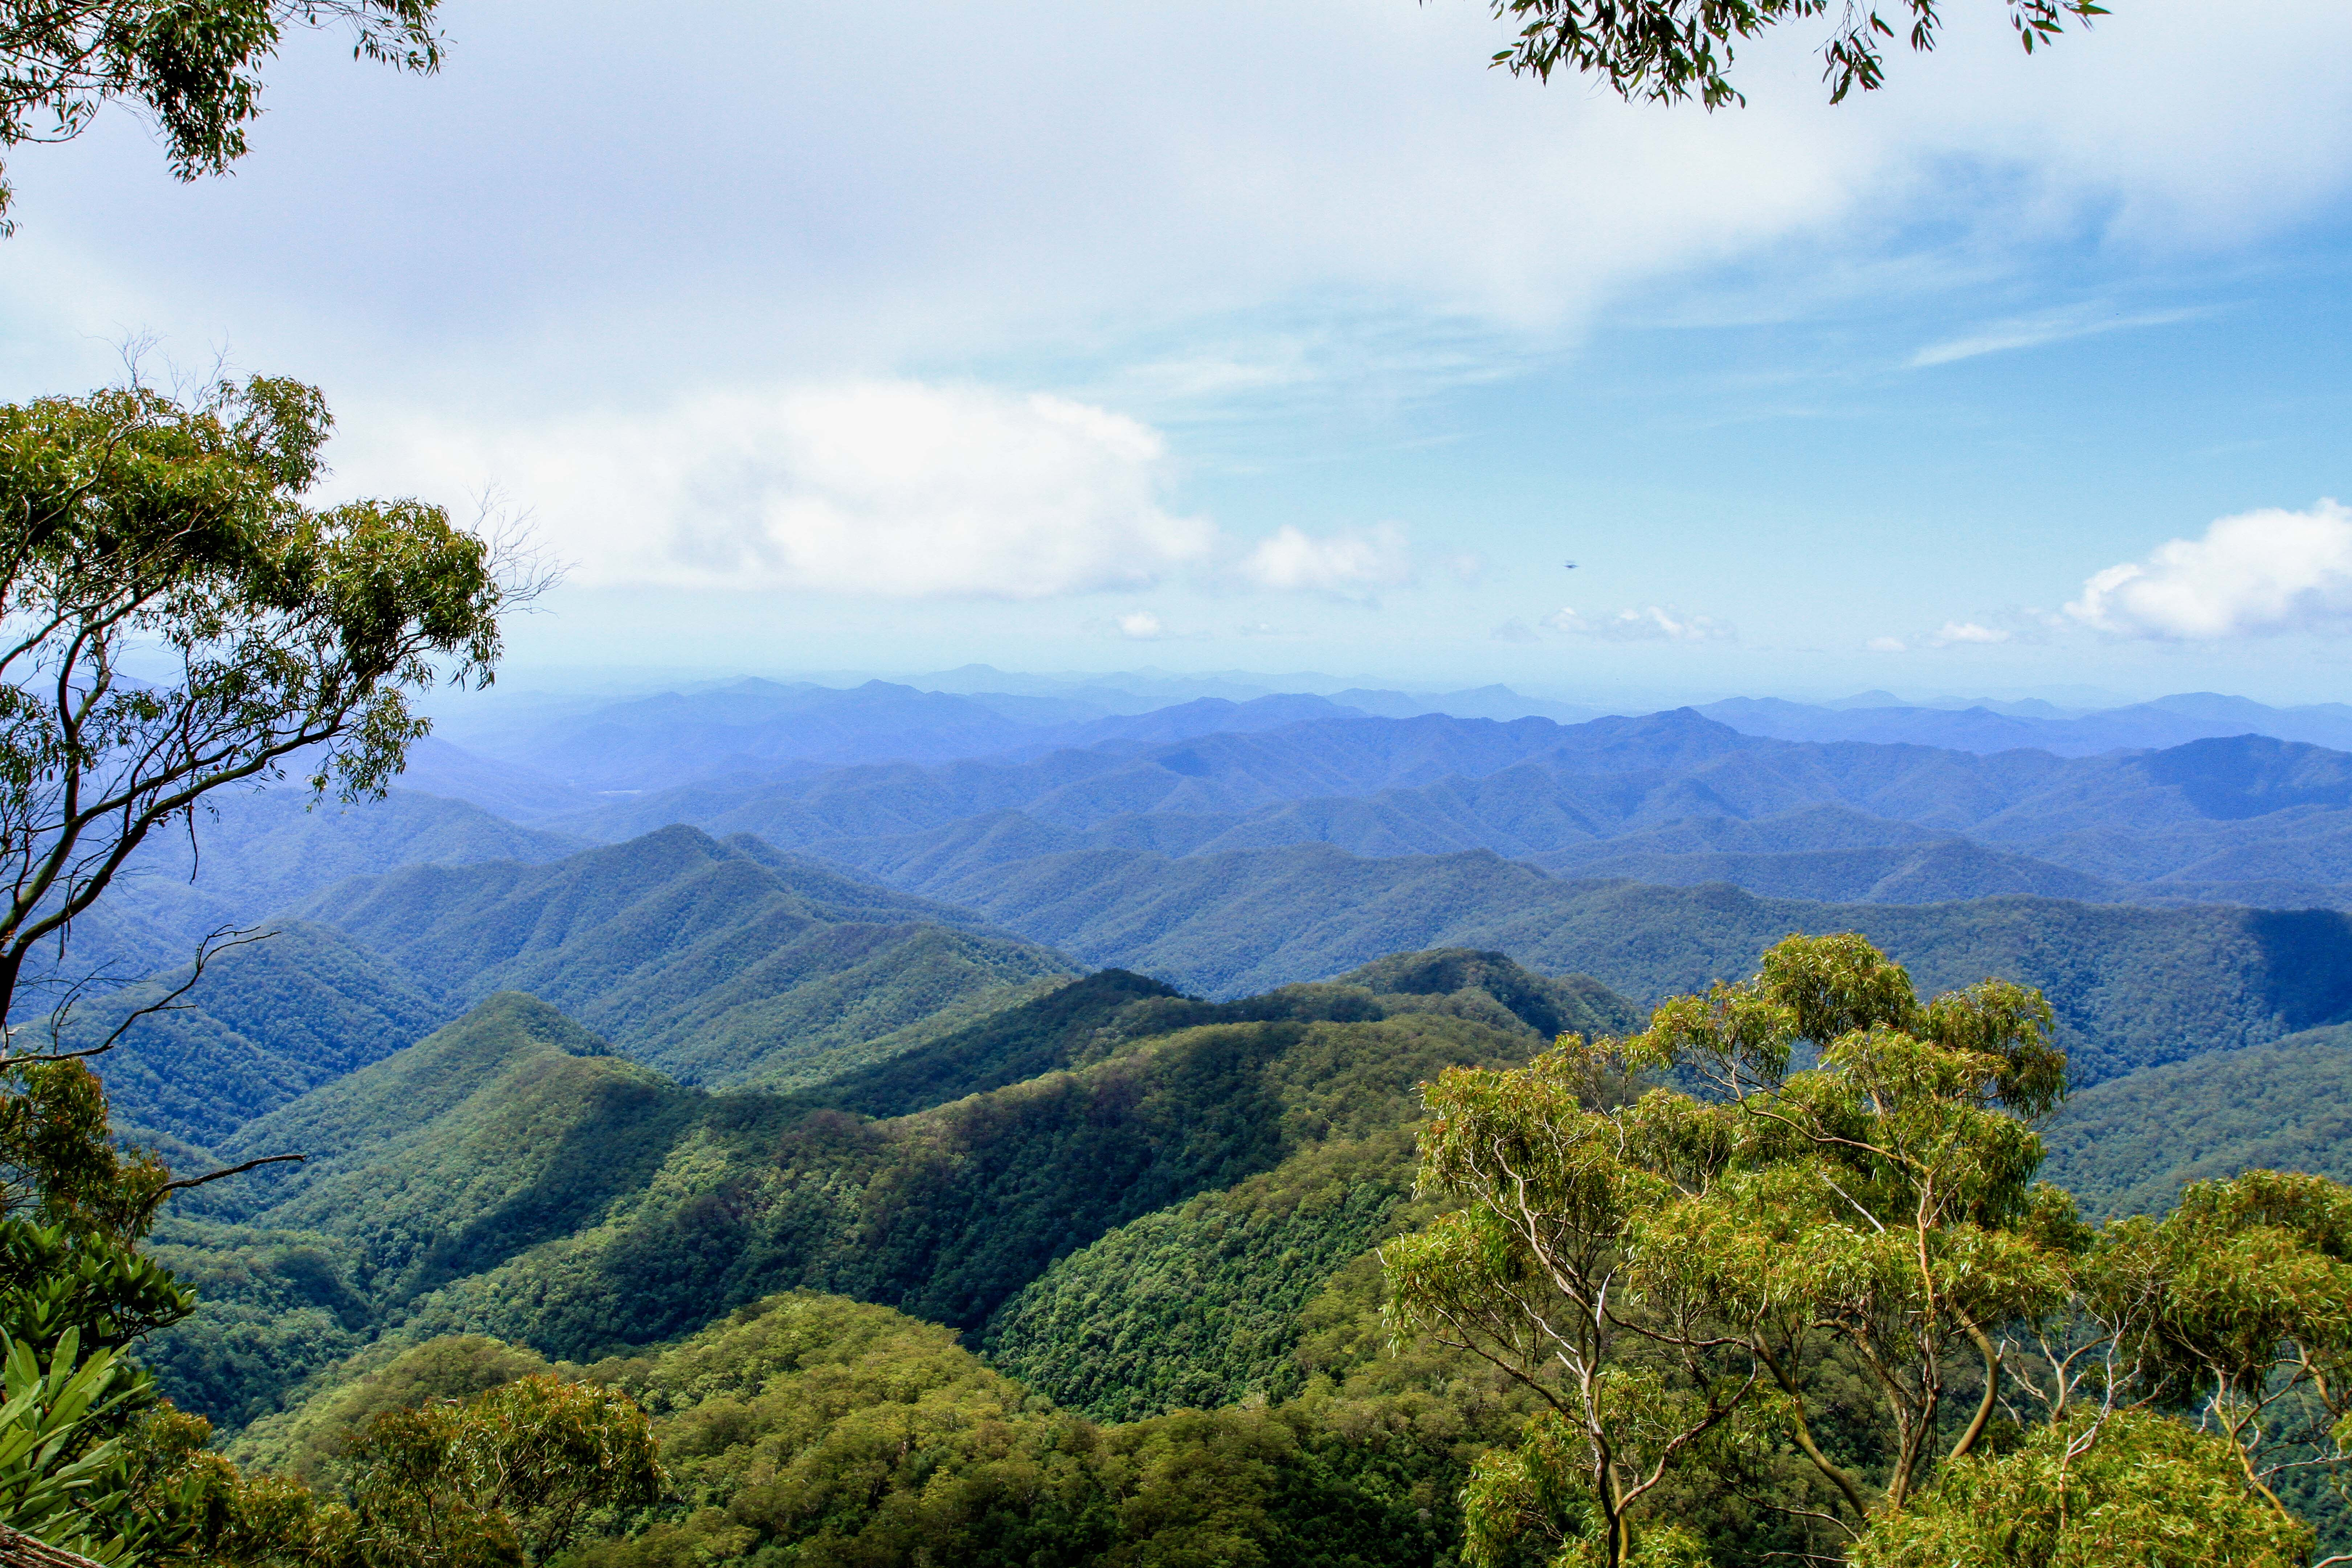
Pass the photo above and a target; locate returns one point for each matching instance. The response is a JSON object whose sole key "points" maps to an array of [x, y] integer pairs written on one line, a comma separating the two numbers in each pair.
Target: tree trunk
{"points": [[18, 1550]]}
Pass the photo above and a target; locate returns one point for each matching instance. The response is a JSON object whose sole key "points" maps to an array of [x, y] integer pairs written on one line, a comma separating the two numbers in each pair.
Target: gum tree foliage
{"points": [[2234, 1311], [1853, 1261], [1664, 52], [510, 1475], [1670, 1271], [190, 67], [175, 620]]}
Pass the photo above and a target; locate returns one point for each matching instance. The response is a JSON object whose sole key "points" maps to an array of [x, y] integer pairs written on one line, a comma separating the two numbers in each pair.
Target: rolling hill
{"points": [[2133, 986], [2244, 820], [2127, 1146], [717, 964], [722, 963], [511, 1173]]}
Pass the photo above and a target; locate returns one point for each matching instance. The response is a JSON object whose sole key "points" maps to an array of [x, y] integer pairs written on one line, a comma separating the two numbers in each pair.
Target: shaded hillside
{"points": [[720, 963], [1203, 1304], [258, 852], [2133, 986], [268, 1022], [950, 1213], [511, 1127], [508, 1175], [2127, 1146]]}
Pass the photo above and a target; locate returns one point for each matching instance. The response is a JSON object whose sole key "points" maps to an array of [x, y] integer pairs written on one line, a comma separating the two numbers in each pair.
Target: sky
{"points": [[1228, 336]]}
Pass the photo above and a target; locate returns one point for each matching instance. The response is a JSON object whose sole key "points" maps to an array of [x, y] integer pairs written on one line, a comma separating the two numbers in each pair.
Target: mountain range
{"points": [[1098, 1051]]}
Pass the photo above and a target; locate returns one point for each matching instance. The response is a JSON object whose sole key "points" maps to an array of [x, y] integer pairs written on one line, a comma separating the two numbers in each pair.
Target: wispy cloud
{"points": [[1652, 623], [1966, 633], [896, 488], [2034, 331], [1347, 565]]}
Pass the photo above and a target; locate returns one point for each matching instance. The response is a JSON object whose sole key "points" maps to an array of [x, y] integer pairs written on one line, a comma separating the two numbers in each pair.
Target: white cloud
{"points": [[888, 488], [2033, 331], [1348, 564], [1513, 630], [1043, 169], [1141, 626], [1885, 645], [1957, 632], [1654, 624], [2256, 573]]}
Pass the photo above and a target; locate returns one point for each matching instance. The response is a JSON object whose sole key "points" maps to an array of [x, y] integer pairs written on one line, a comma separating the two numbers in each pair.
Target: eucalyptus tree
{"points": [[176, 620], [191, 67], [1670, 1273], [1667, 51]]}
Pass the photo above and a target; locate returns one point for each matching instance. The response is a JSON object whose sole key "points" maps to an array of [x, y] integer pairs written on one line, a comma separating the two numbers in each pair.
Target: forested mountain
{"points": [[1153, 1217], [509, 1175], [268, 1022], [1672, 798], [820, 1057], [716, 962], [2127, 1146], [2132, 986], [257, 852], [2167, 721], [730, 963]]}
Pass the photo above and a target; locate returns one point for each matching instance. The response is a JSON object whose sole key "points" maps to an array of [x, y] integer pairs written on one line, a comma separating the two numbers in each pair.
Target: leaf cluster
{"points": [[193, 69]]}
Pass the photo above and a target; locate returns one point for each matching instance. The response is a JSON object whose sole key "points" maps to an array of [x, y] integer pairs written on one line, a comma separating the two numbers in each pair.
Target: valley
{"points": [[1065, 1091]]}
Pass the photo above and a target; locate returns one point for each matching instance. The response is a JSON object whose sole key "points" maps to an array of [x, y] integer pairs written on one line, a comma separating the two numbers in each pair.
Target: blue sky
{"points": [[1218, 336]]}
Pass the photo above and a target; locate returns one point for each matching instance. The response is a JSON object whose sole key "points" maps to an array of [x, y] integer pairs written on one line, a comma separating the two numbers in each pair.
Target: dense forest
{"points": [[1096, 1278], [902, 1236], [1168, 1124]]}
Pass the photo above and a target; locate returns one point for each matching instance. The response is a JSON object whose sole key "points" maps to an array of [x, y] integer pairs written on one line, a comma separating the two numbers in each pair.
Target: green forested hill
{"points": [[508, 1176], [509, 1127], [2127, 1145], [720, 963], [267, 1022], [2133, 986], [806, 1428], [256, 854], [1200, 1304], [949, 1213]]}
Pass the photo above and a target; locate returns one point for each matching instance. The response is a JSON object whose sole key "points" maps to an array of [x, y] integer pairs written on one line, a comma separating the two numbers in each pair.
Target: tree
{"points": [[508, 1476], [1852, 1263], [175, 620], [190, 66], [2236, 1311], [2143, 1490], [1665, 52], [1671, 1274]]}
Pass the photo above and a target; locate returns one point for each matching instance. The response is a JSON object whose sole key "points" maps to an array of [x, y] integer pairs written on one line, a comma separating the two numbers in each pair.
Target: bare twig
{"points": [[187, 1182]]}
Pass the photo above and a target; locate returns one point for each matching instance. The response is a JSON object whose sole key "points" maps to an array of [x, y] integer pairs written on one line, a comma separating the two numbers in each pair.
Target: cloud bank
{"points": [[893, 489], [2256, 574]]}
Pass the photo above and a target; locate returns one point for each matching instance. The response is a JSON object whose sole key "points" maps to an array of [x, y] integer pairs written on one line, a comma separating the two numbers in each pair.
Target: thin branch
{"points": [[210, 948], [187, 1182]]}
